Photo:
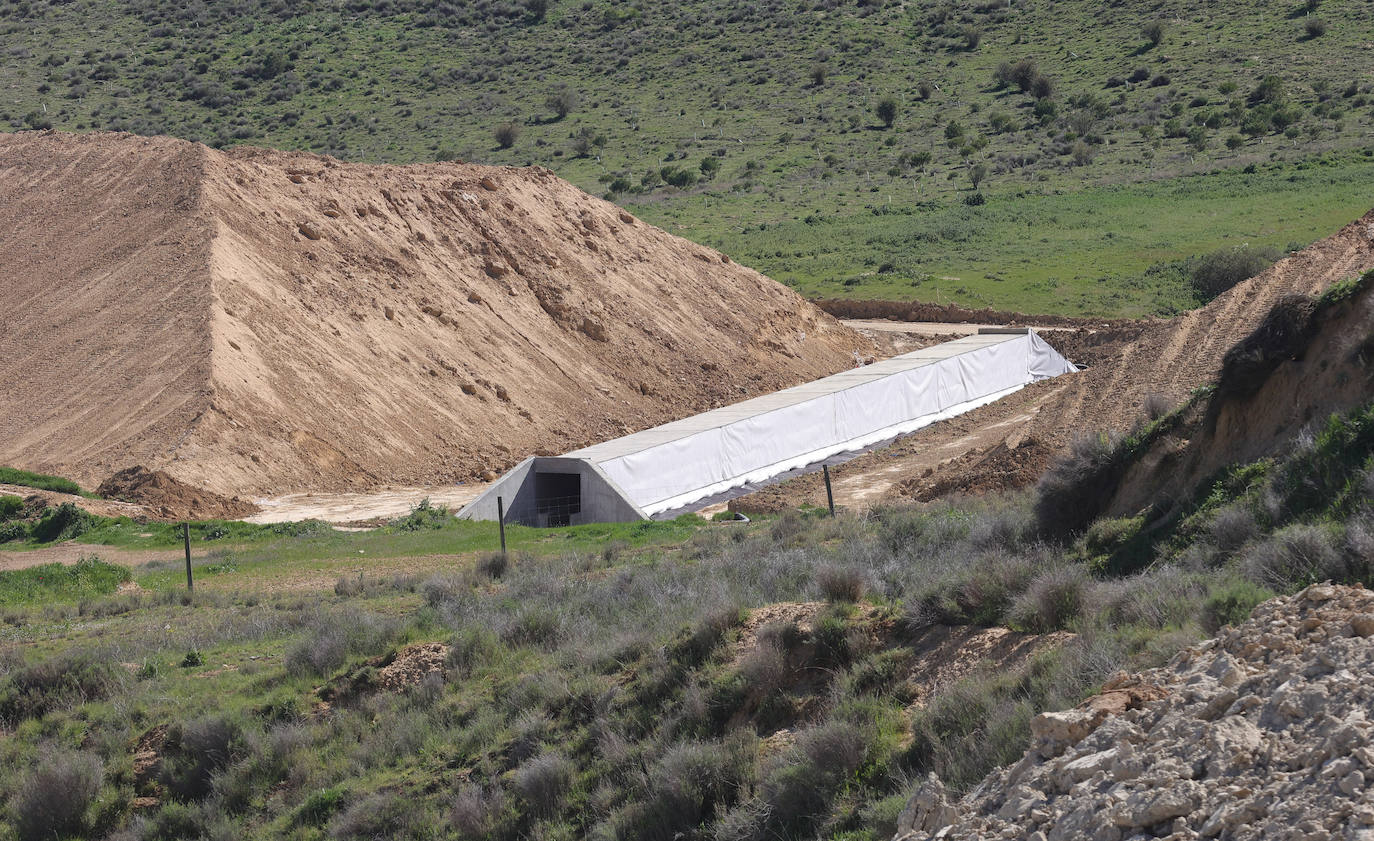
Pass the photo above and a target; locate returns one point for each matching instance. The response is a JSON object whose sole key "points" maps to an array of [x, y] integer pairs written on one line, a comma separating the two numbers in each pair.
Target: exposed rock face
{"points": [[1262, 733]]}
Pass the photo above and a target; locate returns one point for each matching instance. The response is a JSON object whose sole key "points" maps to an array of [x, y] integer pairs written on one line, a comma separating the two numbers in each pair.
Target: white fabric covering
{"points": [[679, 463]]}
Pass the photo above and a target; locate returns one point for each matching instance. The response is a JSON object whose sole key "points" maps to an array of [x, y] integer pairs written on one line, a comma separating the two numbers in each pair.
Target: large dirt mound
{"points": [[260, 321], [1263, 732]]}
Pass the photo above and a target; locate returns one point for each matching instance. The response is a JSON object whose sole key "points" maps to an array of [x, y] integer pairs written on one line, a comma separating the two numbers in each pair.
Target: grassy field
{"points": [[615, 682], [755, 126]]}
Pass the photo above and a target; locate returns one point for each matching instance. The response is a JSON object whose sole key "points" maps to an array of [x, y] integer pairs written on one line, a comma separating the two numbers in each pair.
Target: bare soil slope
{"points": [[262, 321], [986, 448]]}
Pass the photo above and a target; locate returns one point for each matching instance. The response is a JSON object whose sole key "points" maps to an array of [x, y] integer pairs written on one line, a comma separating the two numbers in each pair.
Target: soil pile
{"points": [[166, 498], [255, 321], [1263, 732]]}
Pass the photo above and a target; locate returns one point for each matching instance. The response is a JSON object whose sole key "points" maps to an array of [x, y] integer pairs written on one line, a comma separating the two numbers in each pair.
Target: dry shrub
{"points": [[196, 750], [493, 565], [1073, 491], [840, 584], [1053, 599], [380, 815], [473, 809], [1294, 555], [53, 801], [1232, 527], [543, 781], [764, 668]]}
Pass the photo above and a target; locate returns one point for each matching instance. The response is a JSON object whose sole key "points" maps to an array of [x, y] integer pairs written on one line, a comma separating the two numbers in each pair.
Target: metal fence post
{"points": [[501, 522], [186, 536], [829, 494]]}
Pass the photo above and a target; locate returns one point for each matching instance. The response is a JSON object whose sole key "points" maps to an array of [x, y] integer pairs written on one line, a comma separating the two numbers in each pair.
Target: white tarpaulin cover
{"points": [[676, 464]]}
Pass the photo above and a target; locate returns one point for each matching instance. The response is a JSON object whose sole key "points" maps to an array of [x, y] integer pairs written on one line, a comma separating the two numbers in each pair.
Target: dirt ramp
{"points": [[341, 326]]}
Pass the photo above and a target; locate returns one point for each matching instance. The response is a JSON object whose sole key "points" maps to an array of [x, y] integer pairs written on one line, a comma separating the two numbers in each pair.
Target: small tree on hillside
{"points": [[562, 101], [887, 110], [1153, 32], [506, 134], [977, 173]]}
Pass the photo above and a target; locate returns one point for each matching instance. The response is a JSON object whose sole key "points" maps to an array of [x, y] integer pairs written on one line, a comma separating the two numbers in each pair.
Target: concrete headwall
{"points": [[600, 500]]}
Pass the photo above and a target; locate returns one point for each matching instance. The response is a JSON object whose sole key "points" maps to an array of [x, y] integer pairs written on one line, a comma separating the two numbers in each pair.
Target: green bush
{"points": [[61, 523], [1214, 273], [1232, 603], [423, 516], [10, 506]]}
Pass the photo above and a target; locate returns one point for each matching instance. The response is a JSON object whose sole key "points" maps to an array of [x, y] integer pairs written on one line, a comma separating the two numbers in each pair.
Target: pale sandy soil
{"points": [[385, 504]]}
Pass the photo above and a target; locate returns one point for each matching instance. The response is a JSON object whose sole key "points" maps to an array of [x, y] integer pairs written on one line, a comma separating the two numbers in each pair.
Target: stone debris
{"points": [[1261, 733]]}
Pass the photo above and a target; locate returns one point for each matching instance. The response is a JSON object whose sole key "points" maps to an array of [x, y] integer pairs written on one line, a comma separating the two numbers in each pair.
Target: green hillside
{"points": [[757, 127]]}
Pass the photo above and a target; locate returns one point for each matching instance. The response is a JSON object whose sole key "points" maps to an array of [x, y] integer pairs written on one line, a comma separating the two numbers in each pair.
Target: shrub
{"points": [[562, 101], [1295, 555], [690, 784], [1232, 527], [474, 809], [327, 645], [493, 565], [10, 506], [840, 584], [64, 522], [543, 781], [887, 110], [506, 134], [1153, 32], [422, 516], [380, 815], [799, 787], [1214, 273], [1071, 493], [1052, 600], [195, 751], [54, 800], [319, 806], [1315, 27], [67, 678], [1284, 334], [1231, 604]]}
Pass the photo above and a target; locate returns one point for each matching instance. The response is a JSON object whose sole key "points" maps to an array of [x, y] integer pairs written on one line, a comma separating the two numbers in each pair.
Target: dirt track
{"points": [[260, 322]]}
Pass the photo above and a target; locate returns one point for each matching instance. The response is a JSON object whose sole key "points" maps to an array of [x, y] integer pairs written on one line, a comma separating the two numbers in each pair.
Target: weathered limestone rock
{"points": [[1262, 733]]}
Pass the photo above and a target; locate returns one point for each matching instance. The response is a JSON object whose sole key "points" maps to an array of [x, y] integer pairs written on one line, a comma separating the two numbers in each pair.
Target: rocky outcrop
{"points": [[1261, 733]]}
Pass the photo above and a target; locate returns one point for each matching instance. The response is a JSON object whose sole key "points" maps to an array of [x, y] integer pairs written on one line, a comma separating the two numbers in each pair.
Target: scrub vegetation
{"points": [[616, 684], [1027, 156]]}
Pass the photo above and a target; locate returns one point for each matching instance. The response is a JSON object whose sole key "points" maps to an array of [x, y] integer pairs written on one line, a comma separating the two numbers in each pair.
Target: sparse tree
{"points": [[925, 89], [818, 74], [887, 110], [973, 36], [506, 134], [977, 173], [1153, 32], [562, 102]]}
